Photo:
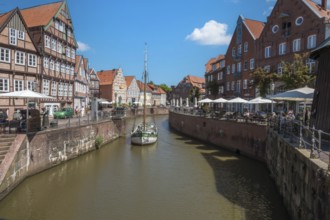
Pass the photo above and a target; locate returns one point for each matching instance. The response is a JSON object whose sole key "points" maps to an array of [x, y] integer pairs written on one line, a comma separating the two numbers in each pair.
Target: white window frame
{"points": [[31, 85], [45, 86], [282, 48], [57, 66], [311, 41], [46, 62], [32, 60], [21, 35], [19, 58], [280, 68], [296, 45], [233, 85], [54, 88], [311, 65], [4, 85], [252, 64], [238, 86], [47, 41], [59, 47], [244, 83], [239, 67], [228, 69], [18, 85], [246, 47], [51, 64], [68, 49], [54, 44], [268, 51], [4, 55], [233, 52], [239, 50], [12, 36], [233, 68]]}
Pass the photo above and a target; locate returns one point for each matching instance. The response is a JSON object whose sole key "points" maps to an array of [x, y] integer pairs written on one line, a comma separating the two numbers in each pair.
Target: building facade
{"points": [[133, 90], [94, 84], [189, 87], [293, 27], [52, 30], [158, 95], [81, 79], [19, 60]]}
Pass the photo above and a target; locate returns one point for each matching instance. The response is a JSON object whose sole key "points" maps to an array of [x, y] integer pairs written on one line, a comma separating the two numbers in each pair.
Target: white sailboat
{"points": [[145, 132]]}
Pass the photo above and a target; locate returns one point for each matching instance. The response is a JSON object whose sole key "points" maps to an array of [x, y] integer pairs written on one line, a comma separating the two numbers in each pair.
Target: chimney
{"points": [[324, 4]]}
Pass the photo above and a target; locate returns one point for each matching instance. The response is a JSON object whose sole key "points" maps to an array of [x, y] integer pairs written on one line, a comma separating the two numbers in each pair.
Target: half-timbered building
{"points": [[19, 60], [52, 31]]}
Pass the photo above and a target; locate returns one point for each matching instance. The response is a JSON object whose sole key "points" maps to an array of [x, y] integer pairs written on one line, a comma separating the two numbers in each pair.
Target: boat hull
{"points": [[144, 136]]}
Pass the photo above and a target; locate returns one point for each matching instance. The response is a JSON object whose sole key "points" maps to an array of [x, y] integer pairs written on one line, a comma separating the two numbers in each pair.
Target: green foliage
{"points": [[262, 80], [296, 74], [213, 87], [165, 87], [98, 141], [194, 93]]}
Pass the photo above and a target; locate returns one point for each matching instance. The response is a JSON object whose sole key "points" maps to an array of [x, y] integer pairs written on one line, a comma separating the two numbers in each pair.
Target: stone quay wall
{"points": [[240, 137], [304, 183], [37, 152]]}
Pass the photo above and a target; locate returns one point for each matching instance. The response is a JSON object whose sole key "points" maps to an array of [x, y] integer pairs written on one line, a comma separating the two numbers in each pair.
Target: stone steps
{"points": [[6, 141]]}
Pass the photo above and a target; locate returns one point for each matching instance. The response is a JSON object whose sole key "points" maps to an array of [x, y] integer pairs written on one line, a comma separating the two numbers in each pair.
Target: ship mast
{"points": [[145, 87]]}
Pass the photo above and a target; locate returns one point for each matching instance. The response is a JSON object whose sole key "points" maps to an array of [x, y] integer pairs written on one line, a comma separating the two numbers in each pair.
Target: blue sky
{"points": [[181, 35]]}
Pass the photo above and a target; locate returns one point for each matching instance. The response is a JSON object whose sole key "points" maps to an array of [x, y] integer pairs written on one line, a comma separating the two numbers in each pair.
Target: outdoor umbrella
{"points": [[237, 100], [260, 100], [207, 100], [220, 100], [27, 94], [299, 95]]}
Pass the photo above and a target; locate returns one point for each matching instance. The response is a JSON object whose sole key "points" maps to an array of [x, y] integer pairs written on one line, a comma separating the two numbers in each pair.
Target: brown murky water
{"points": [[177, 178]]}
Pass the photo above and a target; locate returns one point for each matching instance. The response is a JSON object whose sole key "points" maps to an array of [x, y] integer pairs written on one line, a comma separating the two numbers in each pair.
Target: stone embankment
{"points": [[39, 151], [304, 183]]}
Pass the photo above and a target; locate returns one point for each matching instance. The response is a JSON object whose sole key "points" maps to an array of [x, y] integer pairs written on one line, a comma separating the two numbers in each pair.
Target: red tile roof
{"points": [[141, 86], [196, 79], [106, 77], [317, 8], [40, 15], [4, 17], [129, 80], [156, 89], [255, 27]]}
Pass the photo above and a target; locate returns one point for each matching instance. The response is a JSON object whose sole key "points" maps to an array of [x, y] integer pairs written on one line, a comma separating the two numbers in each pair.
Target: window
{"points": [[47, 41], [52, 64], [4, 85], [275, 29], [239, 67], [60, 89], [286, 28], [246, 65], [214, 67], [53, 44], [233, 85], [311, 65], [299, 21], [69, 32], [246, 47], [251, 64], [45, 88], [61, 26], [221, 89], [296, 45], [220, 76], [54, 88], [267, 69], [56, 25], [238, 86], [19, 86], [68, 51], [73, 53], [280, 68], [245, 84], [20, 58], [21, 35], [32, 60], [228, 86], [282, 48], [228, 70], [46, 62], [31, 85], [67, 70], [239, 50], [12, 36], [72, 70], [70, 90], [4, 55], [57, 67], [222, 64], [311, 41], [233, 68], [62, 68], [233, 53], [268, 52], [59, 47]]}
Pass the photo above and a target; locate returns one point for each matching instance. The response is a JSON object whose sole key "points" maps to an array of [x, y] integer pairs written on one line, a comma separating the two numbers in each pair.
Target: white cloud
{"points": [[82, 46], [212, 33]]}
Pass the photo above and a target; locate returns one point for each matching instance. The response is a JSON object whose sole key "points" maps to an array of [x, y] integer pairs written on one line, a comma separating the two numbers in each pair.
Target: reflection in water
{"points": [[175, 178]]}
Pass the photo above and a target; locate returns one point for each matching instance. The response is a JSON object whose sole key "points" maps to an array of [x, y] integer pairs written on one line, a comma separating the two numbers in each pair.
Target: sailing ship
{"points": [[145, 132]]}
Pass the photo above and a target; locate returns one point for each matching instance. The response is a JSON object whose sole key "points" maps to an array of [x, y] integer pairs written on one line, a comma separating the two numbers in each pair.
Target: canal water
{"points": [[176, 178]]}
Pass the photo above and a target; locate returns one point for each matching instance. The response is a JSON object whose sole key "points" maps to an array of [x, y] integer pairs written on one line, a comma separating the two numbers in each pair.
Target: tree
{"points": [[213, 87], [262, 80], [296, 74], [194, 93], [165, 87]]}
